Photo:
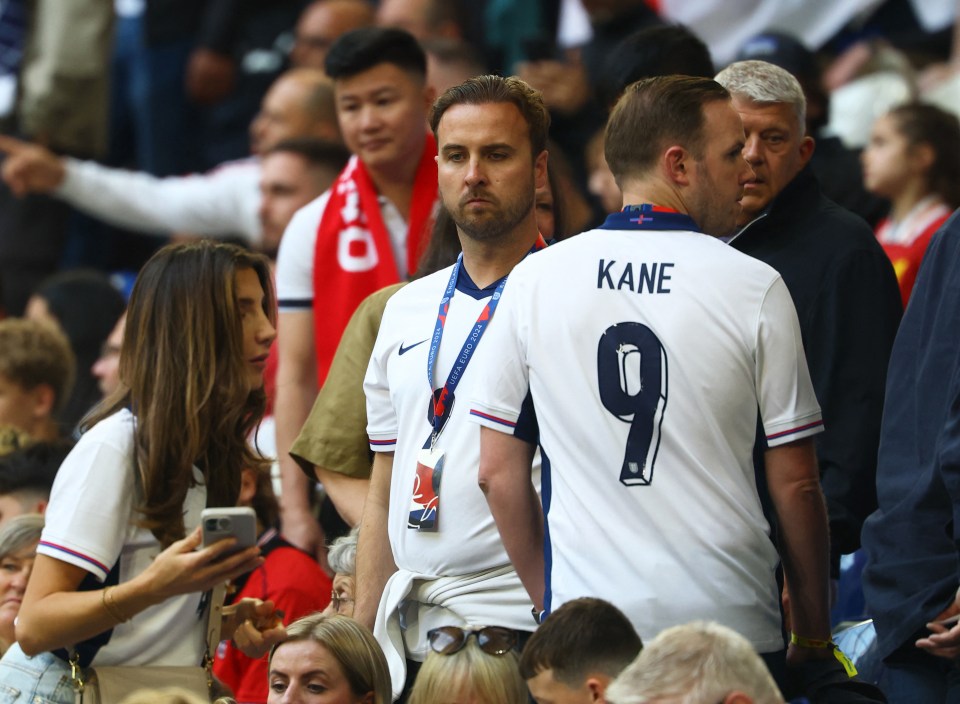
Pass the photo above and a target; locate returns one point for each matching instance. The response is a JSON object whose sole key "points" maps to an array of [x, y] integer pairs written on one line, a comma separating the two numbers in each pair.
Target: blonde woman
{"points": [[328, 659], [470, 666]]}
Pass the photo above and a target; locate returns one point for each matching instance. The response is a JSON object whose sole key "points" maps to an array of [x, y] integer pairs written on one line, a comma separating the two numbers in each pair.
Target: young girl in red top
{"points": [[913, 158]]}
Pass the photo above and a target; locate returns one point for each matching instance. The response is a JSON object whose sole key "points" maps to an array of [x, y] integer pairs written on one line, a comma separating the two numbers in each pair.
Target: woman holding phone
{"points": [[120, 572]]}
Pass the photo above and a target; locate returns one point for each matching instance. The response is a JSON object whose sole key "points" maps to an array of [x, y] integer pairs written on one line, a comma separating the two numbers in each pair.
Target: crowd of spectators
{"points": [[224, 224]]}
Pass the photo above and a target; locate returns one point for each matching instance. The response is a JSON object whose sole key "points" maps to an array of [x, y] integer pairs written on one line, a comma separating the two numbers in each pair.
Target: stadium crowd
{"points": [[708, 450]]}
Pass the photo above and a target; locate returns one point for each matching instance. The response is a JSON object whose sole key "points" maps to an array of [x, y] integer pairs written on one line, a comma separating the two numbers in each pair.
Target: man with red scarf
{"points": [[365, 233]]}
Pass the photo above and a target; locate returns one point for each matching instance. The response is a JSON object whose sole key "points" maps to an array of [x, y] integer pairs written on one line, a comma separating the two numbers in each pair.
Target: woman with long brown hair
{"points": [[119, 573]]}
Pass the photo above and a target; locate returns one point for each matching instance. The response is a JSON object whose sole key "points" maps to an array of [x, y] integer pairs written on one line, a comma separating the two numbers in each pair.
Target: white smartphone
{"points": [[220, 523]]}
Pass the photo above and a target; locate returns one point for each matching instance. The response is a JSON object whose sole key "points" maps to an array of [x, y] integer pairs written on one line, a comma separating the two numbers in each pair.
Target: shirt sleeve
{"points": [[382, 423], [221, 203], [91, 502], [502, 369], [788, 405], [295, 258], [334, 436]]}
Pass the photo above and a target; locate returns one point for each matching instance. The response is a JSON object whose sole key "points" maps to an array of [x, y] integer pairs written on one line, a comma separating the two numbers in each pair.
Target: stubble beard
{"points": [[495, 224]]}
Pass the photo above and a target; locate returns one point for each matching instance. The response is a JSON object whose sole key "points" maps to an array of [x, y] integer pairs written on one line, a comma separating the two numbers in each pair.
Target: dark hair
{"points": [[583, 636], [316, 151], [481, 90], [184, 377], [87, 307], [654, 113], [362, 49], [922, 123], [660, 50], [33, 467]]}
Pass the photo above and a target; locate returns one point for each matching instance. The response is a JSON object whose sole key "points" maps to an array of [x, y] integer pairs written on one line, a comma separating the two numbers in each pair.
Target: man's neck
{"points": [[395, 181], [654, 195], [488, 262]]}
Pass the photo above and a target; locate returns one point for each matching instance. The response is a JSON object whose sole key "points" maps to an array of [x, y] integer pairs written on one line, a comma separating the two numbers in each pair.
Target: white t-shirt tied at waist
{"points": [[413, 604]]}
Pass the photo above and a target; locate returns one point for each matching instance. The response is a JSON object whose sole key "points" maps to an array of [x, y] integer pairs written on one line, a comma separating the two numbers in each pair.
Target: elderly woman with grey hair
{"points": [[342, 557], [18, 547]]}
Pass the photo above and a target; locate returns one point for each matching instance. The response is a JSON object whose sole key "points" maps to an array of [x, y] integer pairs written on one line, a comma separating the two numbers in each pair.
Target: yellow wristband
{"points": [[815, 644], [810, 642]]}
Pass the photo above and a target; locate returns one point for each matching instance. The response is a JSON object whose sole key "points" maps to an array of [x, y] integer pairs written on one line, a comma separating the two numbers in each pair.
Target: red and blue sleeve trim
{"points": [[382, 443], [495, 419], [100, 566], [792, 431]]}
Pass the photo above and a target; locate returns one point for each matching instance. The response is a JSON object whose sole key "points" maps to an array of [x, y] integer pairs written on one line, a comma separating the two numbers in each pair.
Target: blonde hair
{"points": [[697, 663], [184, 376], [470, 672], [353, 646]]}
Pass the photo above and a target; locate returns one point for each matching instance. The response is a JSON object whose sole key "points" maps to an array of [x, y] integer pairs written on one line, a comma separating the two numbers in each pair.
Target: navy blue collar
{"points": [[649, 217], [466, 285]]}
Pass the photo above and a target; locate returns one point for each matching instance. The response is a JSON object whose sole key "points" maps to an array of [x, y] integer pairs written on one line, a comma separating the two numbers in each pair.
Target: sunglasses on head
{"points": [[493, 640]]}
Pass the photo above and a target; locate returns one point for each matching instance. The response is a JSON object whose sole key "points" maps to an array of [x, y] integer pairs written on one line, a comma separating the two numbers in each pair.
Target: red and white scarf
{"points": [[354, 257]]}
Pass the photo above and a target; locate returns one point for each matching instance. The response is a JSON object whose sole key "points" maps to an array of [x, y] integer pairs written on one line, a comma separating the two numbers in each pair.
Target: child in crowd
{"points": [[36, 375], [913, 158]]}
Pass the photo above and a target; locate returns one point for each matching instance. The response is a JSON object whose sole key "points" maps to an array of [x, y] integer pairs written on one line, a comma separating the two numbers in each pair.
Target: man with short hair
{"points": [[429, 552], [26, 476], [842, 284], [577, 652], [365, 233], [292, 173], [696, 663], [37, 370], [220, 203], [647, 389]]}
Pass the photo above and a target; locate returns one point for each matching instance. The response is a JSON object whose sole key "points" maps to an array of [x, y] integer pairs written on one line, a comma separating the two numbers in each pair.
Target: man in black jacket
{"points": [[842, 284]]}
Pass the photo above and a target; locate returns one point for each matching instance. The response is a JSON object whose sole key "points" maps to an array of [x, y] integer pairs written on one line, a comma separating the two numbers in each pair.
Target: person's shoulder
{"points": [[115, 432], [117, 428], [297, 243], [424, 286], [310, 214]]}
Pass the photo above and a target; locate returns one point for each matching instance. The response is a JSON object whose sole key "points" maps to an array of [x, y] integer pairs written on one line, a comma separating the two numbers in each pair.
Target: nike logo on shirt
{"points": [[404, 350]]}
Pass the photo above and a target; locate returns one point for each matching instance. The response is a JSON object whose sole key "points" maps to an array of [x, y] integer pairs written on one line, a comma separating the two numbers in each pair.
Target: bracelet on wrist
{"points": [[111, 605]]}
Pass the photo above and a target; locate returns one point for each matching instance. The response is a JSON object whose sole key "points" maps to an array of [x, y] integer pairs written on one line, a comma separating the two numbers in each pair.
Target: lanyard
{"points": [[442, 402], [649, 217]]}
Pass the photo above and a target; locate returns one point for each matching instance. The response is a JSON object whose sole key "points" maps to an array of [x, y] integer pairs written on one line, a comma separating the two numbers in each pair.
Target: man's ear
{"points": [[807, 146], [429, 95], [923, 155], [540, 170], [676, 163], [738, 697], [42, 401], [597, 686]]}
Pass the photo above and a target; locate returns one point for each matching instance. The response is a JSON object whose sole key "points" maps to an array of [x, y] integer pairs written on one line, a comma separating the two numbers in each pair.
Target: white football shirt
{"points": [[648, 354]]}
